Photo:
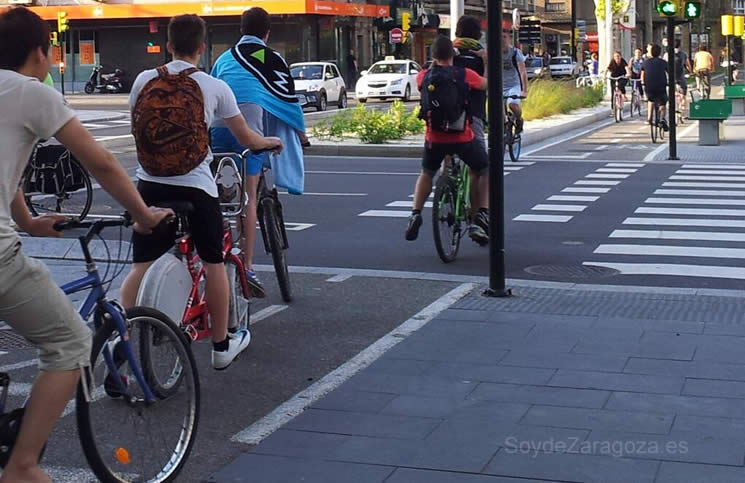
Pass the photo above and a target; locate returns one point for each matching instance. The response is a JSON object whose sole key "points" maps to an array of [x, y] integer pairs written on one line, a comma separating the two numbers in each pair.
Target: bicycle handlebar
{"points": [[515, 97], [618, 78], [95, 226]]}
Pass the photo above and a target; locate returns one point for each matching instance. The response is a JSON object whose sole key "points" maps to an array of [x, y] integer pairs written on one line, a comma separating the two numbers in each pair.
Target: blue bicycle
{"points": [[137, 405]]}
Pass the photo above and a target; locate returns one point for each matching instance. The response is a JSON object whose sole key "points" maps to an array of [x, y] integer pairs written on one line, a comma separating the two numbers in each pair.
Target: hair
{"points": [[186, 33], [638, 48], [255, 21], [617, 52], [442, 48], [468, 27], [21, 32], [656, 50], [702, 48]]}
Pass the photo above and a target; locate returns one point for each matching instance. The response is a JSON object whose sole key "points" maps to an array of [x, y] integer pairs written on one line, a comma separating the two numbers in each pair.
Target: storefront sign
{"points": [[87, 52]]}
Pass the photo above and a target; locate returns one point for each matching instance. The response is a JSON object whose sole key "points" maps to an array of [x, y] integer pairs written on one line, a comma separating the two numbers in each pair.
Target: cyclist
{"points": [[618, 67], [444, 99], [682, 66], [654, 80], [265, 92], [470, 55], [514, 77], [30, 302], [703, 66], [636, 71], [186, 42]]}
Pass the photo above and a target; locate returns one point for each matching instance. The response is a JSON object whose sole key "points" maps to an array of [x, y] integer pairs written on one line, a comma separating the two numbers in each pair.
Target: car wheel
{"points": [[343, 100], [361, 100], [407, 93], [322, 102]]}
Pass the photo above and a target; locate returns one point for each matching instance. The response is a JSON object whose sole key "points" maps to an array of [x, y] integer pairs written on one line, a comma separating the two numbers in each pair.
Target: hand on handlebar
{"points": [[272, 144], [44, 225], [154, 217]]}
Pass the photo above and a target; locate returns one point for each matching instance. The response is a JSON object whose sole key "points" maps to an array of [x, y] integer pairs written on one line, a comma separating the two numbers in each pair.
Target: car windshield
{"points": [[307, 72], [560, 61], [388, 69], [535, 62]]}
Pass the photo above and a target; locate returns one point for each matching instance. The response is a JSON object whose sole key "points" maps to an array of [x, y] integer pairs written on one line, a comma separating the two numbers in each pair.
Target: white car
{"points": [[562, 66], [317, 84], [387, 79]]}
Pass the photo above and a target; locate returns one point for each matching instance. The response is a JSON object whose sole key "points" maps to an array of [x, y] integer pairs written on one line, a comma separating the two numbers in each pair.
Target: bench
{"points": [[710, 113], [736, 94]]}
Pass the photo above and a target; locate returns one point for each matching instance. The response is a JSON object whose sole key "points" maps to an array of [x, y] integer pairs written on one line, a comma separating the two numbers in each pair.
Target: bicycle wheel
{"points": [[239, 311], [446, 226], [516, 148], [270, 223], [654, 123], [130, 440], [67, 201], [619, 110]]}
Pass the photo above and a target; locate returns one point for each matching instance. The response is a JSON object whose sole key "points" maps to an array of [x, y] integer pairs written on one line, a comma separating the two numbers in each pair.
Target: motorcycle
{"points": [[111, 83]]}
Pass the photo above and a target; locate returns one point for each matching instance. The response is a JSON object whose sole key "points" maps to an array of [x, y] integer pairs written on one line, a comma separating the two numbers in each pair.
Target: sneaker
{"points": [[415, 222], [663, 124], [237, 343], [519, 126], [479, 229], [110, 385], [254, 286]]}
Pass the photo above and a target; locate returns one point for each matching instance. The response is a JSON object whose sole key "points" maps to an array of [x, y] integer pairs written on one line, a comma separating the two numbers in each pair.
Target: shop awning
{"points": [[211, 9]]}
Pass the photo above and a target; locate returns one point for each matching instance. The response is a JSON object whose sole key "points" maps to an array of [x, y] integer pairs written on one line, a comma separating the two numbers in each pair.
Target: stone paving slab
{"points": [[550, 385]]}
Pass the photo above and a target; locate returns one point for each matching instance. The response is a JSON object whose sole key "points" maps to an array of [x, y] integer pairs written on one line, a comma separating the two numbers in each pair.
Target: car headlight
{"points": [[314, 87], [538, 71], [397, 82]]}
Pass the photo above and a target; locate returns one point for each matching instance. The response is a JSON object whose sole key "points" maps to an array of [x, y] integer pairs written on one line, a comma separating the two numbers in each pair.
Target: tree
{"points": [[605, 41]]}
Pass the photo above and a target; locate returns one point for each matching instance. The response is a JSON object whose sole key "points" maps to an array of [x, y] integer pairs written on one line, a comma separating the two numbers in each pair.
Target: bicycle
{"points": [[656, 128], [107, 404], [680, 105], [512, 139], [703, 83], [55, 182], [617, 100], [273, 233], [451, 208], [636, 98]]}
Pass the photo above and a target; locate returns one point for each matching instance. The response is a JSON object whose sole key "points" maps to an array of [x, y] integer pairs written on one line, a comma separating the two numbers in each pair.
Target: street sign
{"points": [[530, 32], [516, 19], [396, 35], [628, 20]]}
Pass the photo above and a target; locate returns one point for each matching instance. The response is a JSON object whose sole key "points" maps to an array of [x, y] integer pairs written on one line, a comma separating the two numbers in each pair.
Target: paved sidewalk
{"points": [[730, 150], [554, 384], [86, 115]]}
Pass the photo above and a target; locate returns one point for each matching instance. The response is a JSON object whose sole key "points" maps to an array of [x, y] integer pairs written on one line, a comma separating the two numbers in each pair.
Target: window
{"points": [[556, 7], [306, 72], [335, 70], [738, 6]]}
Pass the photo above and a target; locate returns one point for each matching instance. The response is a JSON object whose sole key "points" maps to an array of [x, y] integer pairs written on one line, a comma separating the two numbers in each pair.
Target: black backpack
{"points": [[444, 102]]}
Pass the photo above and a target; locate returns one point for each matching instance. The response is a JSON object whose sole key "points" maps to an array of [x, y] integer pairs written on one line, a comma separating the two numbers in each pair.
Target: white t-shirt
{"points": [[219, 103], [29, 111]]}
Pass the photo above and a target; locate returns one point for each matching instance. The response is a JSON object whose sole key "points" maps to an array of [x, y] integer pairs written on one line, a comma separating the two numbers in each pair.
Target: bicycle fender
{"points": [[166, 287]]}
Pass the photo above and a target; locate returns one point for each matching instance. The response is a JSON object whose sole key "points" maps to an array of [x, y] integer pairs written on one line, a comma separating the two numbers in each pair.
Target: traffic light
{"points": [[692, 10], [667, 8], [405, 21], [53, 38], [62, 22]]}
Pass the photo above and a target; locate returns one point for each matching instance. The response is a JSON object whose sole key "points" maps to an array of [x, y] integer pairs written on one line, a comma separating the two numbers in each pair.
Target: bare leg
{"points": [[422, 190], [216, 293], [248, 237], [131, 284], [49, 396], [517, 110]]}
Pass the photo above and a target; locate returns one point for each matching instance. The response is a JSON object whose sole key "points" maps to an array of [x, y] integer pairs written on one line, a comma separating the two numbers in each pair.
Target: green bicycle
{"points": [[451, 208]]}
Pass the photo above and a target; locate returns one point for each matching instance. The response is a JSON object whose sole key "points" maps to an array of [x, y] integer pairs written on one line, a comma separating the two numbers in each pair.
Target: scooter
{"points": [[112, 83]]}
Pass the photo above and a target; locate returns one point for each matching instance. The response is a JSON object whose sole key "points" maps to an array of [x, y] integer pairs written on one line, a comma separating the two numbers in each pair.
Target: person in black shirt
{"points": [[654, 80], [618, 68], [469, 55], [351, 69]]}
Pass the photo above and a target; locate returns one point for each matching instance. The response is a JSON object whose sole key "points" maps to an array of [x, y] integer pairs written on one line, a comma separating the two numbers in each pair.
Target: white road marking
{"points": [[570, 137], [606, 176], [707, 178], [689, 211], [671, 251], [299, 402], [19, 365], [712, 166], [121, 121], [623, 165], [326, 194], [616, 170], [615, 141], [365, 173], [544, 218], [572, 189], [562, 156], [572, 198], [719, 172], [289, 226], [680, 235], [673, 269], [703, 185], [90, 125], [685, 222], [699, 192], [597, 182], [653, 154], [406, 204], [431, 196], [386, 213], [601, 147], [266, 312], [112, 138], [545, 207], [513, 168], [695, 201], [339, 278]]}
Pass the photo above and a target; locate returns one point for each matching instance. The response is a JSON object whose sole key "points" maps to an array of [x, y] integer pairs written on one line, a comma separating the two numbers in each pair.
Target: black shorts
{"points": [[660, 97], [472, 153], [205, 223]]}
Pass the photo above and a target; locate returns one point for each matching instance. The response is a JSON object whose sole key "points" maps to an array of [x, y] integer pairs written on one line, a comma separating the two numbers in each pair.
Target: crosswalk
{"points": [[125, 121], [583, 192], [403, 207], [692, 226]]}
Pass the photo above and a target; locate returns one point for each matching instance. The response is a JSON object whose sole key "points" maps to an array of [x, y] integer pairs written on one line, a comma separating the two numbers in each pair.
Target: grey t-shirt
{"points": [[510, 74]]}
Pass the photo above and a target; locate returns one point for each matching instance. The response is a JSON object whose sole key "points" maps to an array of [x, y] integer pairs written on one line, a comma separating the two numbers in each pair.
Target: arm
{"points": [[523, 78], [39, 226], [644, 77], [249, 138]]}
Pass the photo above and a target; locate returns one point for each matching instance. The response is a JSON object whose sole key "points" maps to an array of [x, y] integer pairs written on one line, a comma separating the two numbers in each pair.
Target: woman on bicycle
{"points": [[618, 67]]}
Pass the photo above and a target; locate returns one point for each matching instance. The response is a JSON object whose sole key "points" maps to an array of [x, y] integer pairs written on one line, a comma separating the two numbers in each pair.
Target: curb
{"points": [[114, 116]]}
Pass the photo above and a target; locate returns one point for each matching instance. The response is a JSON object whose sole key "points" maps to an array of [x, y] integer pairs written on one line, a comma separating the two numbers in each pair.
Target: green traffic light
{"points": [[667, 8], [692, 9]]}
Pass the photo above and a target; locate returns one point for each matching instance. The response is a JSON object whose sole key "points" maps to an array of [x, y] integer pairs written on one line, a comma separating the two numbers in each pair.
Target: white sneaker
{"points": [[237, 343]]}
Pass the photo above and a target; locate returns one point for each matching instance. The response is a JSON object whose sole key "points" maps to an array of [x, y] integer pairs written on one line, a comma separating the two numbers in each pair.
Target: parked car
{"points": [[317, 84], [536, 68], [387, 79], [562, 67]]}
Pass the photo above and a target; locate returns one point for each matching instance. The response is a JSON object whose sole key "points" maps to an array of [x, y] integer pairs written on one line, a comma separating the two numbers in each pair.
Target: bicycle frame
{"points": [[463, 197]]}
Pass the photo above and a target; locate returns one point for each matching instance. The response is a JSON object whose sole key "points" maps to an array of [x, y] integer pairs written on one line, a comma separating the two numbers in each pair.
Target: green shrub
{"points": [[371, 126], [549, 97]]}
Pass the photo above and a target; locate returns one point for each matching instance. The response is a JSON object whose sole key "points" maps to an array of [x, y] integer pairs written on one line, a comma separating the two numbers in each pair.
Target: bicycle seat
{"points": [[178, 207]]}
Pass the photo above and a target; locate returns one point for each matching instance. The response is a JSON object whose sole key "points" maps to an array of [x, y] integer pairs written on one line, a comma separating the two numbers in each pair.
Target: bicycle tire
{"points": [[96, 452], [38, 208], [653, 124], [446, 194], [238, 298], [515, 148], [273, 236]]}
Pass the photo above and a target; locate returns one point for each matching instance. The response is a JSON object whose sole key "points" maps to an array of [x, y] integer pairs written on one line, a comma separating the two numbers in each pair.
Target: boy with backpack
{"points": [[173, 107], [444, 107]]}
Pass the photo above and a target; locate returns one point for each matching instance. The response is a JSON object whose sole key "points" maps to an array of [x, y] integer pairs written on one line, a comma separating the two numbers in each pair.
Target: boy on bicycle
{"points": [[176, 167], [444, 102], [30, 301], [654, 80]]}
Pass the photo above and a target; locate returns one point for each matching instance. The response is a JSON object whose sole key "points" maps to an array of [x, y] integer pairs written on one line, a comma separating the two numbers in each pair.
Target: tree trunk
{"points": [[648, 24]]}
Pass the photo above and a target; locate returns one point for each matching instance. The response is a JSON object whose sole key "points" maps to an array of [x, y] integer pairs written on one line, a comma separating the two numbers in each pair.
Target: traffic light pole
{"points": [[573, 6], [671, 86], [497, 286], [64, 66]]}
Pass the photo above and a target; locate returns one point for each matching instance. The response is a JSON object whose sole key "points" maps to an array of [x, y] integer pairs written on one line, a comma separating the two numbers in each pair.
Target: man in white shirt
{"points": [[186, 42], [30, 301]]}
